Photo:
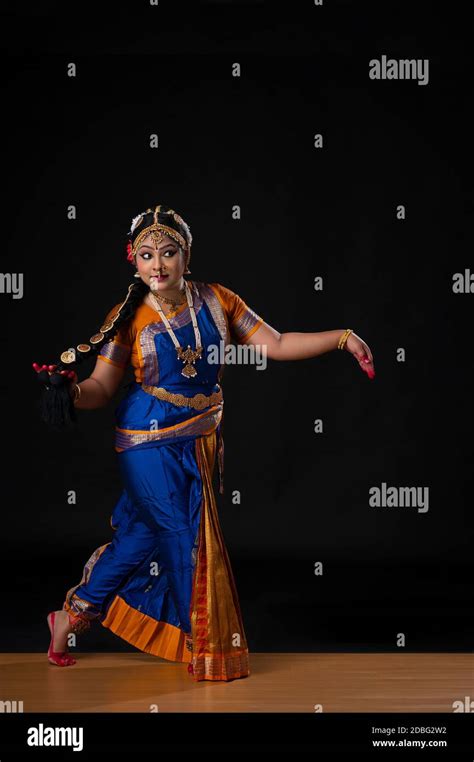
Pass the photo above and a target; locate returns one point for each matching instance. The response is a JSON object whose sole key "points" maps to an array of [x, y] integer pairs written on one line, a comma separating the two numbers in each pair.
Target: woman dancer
{"points": [[164, 583]]}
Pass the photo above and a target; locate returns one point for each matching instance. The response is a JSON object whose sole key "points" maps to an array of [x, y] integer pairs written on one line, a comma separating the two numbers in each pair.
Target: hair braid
{"points": [[55, 404]]}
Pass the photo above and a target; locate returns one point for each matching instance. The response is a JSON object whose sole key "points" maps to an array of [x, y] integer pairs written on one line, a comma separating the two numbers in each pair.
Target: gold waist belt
{"points": [[198, 401]]}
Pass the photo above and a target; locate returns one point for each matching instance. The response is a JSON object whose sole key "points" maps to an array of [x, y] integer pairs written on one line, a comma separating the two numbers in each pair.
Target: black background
{"points": [[305, 212]]}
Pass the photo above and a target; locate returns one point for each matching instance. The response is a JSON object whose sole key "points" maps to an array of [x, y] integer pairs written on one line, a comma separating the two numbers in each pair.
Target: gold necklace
{"points": [[174, 303], [173, 312], [188, 355]]}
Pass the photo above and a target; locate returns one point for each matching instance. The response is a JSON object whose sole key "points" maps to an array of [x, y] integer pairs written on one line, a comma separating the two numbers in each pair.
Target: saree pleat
{"points": [[142, 631], [220, 649]]}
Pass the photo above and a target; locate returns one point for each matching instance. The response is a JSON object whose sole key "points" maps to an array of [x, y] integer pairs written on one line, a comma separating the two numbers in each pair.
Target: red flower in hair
{"points": [[129, 252]]}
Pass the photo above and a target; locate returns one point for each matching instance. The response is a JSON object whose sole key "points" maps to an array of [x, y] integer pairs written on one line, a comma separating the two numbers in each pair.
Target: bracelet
{"points": [[344, 337], [76, 393]]}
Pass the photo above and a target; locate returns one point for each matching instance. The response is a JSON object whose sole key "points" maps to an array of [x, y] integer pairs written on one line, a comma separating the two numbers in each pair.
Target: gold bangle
{"points": [[344, 337], [76, 393]]}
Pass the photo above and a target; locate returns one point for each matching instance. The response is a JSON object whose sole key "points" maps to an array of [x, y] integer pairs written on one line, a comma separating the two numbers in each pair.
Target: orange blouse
{"points": [[125, 348]]}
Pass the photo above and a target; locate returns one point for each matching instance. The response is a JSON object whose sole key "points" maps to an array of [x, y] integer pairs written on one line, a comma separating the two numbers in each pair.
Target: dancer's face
{"points": [[165, 258]]}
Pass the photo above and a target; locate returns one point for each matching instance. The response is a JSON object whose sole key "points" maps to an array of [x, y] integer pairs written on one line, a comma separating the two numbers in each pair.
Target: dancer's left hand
{"points": [[360, 350]]}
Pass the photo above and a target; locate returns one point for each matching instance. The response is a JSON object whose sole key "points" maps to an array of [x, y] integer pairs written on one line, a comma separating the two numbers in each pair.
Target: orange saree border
{"points": [[220, 649], [145, 633]]}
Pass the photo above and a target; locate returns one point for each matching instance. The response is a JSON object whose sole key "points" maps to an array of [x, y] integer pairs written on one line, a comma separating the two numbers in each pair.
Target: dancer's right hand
{"points": [[50, 369]]}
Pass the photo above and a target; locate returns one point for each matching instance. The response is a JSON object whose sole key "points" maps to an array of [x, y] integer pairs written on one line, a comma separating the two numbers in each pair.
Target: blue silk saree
{"points": [[164, 582]]}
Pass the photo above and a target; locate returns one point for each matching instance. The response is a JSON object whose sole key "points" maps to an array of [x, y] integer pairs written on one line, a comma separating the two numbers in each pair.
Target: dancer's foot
{"points": [[59, 626]]}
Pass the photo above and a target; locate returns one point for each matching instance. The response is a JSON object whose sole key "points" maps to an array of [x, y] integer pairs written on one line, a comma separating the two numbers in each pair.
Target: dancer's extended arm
{"points": [[299, 346]]}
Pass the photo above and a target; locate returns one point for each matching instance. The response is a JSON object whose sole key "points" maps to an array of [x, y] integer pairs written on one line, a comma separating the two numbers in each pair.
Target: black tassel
{"points": [[56, 405]]}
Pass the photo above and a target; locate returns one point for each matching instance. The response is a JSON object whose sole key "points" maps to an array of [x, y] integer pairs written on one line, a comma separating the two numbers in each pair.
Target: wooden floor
{"points": [[339, 682]]}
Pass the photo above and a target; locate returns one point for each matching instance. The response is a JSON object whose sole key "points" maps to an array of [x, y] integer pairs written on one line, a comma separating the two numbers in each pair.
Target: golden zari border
{"points": [[220, 649]]}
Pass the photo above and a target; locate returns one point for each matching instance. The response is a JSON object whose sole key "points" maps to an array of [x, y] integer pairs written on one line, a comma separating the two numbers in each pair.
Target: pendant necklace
{"points": [[188, 355], [174, 303]]}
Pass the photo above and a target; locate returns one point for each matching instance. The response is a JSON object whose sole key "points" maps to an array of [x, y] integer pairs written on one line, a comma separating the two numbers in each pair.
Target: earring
{"points": [[136, 275], [187, 271]]}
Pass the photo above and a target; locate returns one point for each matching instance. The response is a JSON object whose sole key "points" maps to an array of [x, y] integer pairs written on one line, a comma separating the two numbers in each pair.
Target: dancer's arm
{"points": [[100, 387], [299, 346]]}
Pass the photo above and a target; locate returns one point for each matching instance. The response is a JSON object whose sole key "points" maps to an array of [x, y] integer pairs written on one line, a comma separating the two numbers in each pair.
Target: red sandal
{"points": [[60, 658], [63, 658]]}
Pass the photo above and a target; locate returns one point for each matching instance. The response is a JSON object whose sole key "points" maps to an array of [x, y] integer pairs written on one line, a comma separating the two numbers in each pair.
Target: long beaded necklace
{"points": [[188, 355]]}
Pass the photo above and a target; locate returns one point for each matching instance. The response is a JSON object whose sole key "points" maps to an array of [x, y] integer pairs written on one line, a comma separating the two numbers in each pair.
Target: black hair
{"points": [[56, 405]]}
